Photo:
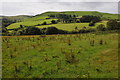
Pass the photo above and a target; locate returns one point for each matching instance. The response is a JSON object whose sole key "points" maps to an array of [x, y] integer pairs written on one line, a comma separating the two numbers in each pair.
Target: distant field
{"points": [[38, 19], [71, 26], [29, 23], [60, 56], [68, 27]]}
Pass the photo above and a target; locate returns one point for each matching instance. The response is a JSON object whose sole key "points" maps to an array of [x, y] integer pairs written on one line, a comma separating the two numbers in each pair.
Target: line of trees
{"points": [[45, 23], [65, 18], [113, 25]]}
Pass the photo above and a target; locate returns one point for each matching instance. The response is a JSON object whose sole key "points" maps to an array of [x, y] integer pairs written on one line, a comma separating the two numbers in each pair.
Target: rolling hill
{"points": [[40, 18]]}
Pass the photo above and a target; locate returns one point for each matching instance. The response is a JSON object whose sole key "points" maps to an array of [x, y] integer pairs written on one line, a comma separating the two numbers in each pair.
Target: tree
{"points": [[89, 18], [112, 25], [87, 30], [32, 31], [101, 27], [53, 22], [92, 23], [4, 30], [54, 30], [76, 28], [51, 30], [44, 23], [74, 16], [21, 26]]}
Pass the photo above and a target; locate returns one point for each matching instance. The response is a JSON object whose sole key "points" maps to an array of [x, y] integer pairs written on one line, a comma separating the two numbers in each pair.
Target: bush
{"points": [[53, 22], [54, 30], [101, 27], [87, 30], [4, 30], [89, 18], [39, 24], [21, 26], [51, 30], [73, 32], [32, 31], [92, 24], [113, 25], [44, 23]]}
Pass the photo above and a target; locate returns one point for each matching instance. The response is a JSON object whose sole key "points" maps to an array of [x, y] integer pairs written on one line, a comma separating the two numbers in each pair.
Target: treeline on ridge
{"points": [[65, 18]]}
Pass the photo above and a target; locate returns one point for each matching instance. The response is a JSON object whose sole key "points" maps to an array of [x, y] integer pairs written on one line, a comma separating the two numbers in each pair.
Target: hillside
{"points": [[79, 13], [16, 18], [39, 18]]}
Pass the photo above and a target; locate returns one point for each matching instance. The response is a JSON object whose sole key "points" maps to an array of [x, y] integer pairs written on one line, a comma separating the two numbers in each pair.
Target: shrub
{"points": [[44, 23], [21, 26], [51, 30], [53, 22], [101, 27], [113, 25], [87, 30], [54, 30], [38, 25], [92, 24], [89, 18], [70, 58], [4, 30], [32, 31]]}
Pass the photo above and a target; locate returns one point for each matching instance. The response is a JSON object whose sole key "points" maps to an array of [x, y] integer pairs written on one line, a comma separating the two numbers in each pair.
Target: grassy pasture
{"points": [[42, 17], [68, 27], [63, 26], [28, 23], [71, 26], [60, 56]]}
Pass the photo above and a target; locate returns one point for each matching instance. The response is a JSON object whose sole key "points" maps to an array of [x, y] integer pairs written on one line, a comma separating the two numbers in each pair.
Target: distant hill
{"points": [[7, 20], [79, 13], [17, 18], [39, 18]]}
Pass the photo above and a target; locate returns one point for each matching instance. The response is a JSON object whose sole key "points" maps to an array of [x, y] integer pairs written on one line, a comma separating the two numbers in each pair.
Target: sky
{"points": [[33, 7]]}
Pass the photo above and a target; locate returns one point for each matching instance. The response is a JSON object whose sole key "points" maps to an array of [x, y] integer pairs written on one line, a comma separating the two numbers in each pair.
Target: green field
{"points": [[62, 26], [40, 18], [79, 13], [28, 23], [60, 56], [71, 26]]}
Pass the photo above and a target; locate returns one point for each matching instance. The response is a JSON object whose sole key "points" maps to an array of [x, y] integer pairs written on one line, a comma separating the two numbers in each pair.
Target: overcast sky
{"points": [[33, 7]]}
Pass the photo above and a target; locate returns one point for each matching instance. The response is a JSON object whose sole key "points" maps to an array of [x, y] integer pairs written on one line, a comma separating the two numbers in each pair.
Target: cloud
{"points": [[33, 8], [89, 0], [59, 0]]}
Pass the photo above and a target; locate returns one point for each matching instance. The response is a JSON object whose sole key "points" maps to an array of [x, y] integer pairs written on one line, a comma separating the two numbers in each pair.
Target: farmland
{"points": [[91, 55], [28, 23], [71, 26], [40, 18]]}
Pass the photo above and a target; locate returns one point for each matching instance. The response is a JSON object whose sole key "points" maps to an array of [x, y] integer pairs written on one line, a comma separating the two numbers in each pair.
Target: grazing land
{"points": [[40, 18], [91, 55]]}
